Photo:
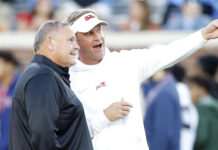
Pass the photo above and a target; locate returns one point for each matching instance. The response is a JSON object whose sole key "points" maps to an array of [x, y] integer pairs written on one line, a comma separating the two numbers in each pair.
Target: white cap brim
{"points": [[86, 23]]}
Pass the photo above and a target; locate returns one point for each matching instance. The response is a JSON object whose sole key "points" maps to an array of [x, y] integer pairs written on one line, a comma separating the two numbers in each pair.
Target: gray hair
{"points": [[45, 29], [78, 13]]}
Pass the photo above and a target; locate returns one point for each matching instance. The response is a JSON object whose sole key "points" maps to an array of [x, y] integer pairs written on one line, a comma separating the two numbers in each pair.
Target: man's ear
{"points": [[50, 43]]}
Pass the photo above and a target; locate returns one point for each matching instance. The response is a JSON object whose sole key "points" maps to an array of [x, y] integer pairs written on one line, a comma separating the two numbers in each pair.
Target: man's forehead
{"points": [[64, 31], [96, 27]]}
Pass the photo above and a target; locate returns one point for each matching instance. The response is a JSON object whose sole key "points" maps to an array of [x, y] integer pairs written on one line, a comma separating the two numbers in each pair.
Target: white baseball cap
{"points": [[86, 22]]}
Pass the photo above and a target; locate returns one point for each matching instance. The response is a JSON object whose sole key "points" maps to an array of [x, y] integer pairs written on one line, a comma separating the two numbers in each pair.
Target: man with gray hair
{"points": [[107, 83], [46, 115]]}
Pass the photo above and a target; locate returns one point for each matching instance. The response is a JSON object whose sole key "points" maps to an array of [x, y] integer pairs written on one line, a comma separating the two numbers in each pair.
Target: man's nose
{"points": [[97, 35], [76, 45]]}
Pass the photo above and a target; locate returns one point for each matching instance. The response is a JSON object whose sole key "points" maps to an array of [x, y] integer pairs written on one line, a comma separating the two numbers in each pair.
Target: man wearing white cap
{"points": [[107, 83]]}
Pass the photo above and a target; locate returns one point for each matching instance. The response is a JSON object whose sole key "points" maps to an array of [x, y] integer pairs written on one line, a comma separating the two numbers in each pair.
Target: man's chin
{"points": [[98, 50]]}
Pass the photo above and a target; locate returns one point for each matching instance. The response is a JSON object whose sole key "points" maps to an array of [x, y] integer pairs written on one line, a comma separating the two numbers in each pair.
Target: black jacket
{"points": [[46, 114]]}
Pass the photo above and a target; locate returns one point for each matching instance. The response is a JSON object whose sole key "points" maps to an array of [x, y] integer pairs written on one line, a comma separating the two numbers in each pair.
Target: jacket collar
{"points": [[63, 71]]}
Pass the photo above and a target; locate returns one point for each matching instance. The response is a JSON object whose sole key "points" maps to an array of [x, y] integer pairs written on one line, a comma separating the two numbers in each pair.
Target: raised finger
{"points": [[126, 104]]}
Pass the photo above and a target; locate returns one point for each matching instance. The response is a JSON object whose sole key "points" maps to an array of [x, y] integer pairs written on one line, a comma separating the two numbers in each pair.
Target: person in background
{"points": [[138, 17], [163, 114], [6, 16], [189, 17], [207, 106], [42, 10], [189, 114], [157, 11], [207, 65], [8, 79], [103, 7], [46, 114], [210, 7]]}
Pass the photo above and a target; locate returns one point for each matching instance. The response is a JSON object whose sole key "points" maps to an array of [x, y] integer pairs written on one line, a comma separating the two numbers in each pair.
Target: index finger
{"points": [[125, 103]]}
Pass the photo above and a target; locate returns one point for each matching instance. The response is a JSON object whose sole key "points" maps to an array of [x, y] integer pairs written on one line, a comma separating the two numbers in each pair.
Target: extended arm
{"points": [[149, 61]]}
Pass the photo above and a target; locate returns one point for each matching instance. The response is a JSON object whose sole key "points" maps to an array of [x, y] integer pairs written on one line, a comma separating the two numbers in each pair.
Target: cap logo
{"points": [[89, 17]]}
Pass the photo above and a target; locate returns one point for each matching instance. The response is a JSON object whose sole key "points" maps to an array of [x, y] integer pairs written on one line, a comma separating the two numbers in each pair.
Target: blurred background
{"points": [[132, 24]]}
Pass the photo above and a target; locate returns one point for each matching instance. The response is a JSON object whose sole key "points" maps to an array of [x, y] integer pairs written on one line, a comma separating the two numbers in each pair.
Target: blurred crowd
{"points": [[9, 74], [181, 112], [123, 15]]}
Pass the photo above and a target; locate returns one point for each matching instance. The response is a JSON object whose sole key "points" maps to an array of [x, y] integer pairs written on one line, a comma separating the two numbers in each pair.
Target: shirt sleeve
{"points": [[97, 122], [42, 106], [149, 61]]}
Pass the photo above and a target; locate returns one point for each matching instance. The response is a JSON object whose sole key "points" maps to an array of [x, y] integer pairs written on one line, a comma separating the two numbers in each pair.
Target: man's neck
{"points": [[90, 62]]}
